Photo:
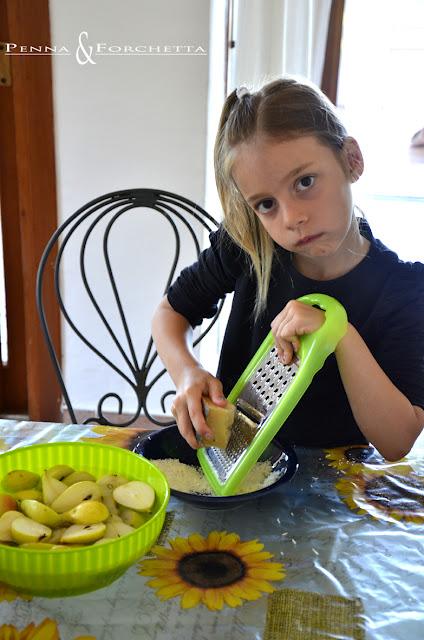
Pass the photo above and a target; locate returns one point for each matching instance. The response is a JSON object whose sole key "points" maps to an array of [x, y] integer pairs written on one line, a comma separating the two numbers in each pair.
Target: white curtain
{"points": [[276, 37], [273, 37]]}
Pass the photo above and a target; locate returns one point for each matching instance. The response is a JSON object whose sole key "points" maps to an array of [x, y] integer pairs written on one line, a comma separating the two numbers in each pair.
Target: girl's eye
{"points": [[305, 183], [265, 206]]}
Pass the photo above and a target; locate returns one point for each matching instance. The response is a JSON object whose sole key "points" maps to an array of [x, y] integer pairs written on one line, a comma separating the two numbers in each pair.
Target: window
{"points": [[381, 100]]}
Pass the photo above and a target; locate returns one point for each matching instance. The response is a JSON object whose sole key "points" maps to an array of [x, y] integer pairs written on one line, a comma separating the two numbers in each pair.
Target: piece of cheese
{"points": [[220, 421]]}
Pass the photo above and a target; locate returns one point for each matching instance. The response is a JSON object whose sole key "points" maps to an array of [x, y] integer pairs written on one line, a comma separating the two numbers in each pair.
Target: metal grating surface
{"points": [[264, 389], [268, 384]]}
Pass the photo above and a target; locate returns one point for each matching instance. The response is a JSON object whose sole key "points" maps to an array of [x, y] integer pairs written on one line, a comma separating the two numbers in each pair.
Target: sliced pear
{"points": [[111, 531], [107, 485], [41, 513], [110, 502], [36, 545], [114, 518], [57, 535], [60, 471], [111, 481], [76, 493], [19, 479], [76, 546], [26, 530], [6, 523], [123, 528], [7, 503], [60, 547], [52, 488], [117, 529], [133, 518], [28, 494], [83, 533], [135, 495], [87, 512], [79, 476]]}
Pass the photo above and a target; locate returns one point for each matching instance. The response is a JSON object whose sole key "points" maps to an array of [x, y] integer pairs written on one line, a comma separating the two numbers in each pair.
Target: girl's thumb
{"points": [[216, 393]]}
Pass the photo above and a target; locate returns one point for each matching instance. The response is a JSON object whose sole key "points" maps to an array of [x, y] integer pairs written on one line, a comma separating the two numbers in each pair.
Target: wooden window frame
{"points": [[330, 73], [29, 211]]}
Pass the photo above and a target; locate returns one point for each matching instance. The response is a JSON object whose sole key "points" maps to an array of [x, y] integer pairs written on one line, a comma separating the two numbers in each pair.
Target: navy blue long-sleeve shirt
{"points": [[384, 300]]}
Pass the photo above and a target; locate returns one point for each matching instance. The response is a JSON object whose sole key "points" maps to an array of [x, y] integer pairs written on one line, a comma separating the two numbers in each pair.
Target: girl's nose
{"points": [[294, 217]]}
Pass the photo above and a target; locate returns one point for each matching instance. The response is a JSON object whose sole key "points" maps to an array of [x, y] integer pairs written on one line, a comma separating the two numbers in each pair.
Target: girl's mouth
{"points": [[307, 240]]}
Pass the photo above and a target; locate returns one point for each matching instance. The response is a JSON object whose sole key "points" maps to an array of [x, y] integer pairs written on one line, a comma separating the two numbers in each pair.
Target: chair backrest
{"points": [[94, 223]]}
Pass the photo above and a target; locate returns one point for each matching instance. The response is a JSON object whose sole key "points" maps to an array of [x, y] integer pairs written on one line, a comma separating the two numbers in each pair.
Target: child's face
{"points": [[299, 191]]}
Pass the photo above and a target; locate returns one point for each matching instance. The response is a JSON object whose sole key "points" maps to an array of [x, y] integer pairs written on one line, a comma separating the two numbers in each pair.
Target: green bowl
{"points": [[74, 571]]}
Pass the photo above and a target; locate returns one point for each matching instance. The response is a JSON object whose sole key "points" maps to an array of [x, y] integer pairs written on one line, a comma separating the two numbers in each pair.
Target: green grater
{"points": [[265, 395]]}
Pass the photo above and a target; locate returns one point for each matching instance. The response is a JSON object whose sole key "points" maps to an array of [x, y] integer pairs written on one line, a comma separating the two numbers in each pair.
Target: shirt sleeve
{"points": [[196, 292], [401, 322]]}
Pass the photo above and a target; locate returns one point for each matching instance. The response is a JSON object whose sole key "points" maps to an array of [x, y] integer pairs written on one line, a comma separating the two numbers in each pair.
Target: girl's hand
{"points": [[187, 407], [296, 319]]}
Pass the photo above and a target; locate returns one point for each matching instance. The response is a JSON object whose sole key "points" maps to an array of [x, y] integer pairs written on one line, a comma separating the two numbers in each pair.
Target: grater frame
{"points": [[225, 469]]}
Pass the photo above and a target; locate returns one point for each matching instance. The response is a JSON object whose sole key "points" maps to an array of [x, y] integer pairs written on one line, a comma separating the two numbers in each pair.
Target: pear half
{"points": [[87, 512], [83, 533], [135, 495], [76, 493], [6, 525], [41, 513], [19, 479], [26, 530]]}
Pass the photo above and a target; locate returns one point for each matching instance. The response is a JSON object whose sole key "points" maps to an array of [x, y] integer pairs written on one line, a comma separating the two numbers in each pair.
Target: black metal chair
{"points": [[96, 221]]}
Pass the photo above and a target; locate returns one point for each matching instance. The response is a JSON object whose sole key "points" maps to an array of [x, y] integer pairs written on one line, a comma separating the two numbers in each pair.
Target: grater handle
{"points": [[314, 349], [332, 330], [324, 340]]}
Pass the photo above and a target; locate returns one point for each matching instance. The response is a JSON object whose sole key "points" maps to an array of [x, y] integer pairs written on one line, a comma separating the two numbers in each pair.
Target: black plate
{"points": [[168, 443]]}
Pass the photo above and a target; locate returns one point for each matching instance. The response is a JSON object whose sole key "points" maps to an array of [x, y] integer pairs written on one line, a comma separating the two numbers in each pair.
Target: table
{"points": [[349, 535]]}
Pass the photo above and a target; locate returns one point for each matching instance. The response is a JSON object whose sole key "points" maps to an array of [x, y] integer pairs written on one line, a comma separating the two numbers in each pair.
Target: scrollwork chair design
{"points": [[81, 227]]}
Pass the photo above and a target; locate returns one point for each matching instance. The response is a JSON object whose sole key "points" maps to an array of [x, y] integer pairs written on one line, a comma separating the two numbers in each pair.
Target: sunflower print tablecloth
{"points": [[328, 540]]}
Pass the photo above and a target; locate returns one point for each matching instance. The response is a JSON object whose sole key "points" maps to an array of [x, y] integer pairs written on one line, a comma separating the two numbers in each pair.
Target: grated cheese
{"points": [[187, 479]]}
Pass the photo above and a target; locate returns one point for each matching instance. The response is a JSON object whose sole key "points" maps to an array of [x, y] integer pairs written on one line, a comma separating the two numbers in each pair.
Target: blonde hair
{"points": [[283, 109]]}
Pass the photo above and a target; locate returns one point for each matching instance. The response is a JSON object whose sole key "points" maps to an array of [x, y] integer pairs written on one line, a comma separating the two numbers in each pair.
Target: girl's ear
{"points": [[353, 159]]}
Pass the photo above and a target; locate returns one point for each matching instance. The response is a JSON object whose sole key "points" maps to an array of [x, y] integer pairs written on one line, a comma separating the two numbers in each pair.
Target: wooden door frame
{"points": [[13, 376], [330, 72], [27, 23]]}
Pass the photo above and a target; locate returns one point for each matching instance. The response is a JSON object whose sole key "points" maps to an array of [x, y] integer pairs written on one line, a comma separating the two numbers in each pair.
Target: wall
{"points": [[126, 121]]}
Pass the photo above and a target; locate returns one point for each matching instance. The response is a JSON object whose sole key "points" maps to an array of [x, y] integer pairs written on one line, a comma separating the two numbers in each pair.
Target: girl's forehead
{"points": [[261, 146], [264, 158]]}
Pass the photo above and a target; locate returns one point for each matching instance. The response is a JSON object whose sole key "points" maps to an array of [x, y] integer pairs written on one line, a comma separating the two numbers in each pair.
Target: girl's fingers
{"points": [[185, 427], [296, 344], [195, 411], [216, 393], [285, 350], [187, 407], [296, 319], [279, 321]]}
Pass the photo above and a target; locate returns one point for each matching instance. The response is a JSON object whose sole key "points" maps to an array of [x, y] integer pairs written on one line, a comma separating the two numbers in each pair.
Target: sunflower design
{"points": [[217, 570], [117, 436], [388, 496], [354, 458], [9, 594], [47, 630]]}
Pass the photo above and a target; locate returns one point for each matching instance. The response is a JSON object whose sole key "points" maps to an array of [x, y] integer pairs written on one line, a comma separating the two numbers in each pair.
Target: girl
{"points": [[284, 166]]}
